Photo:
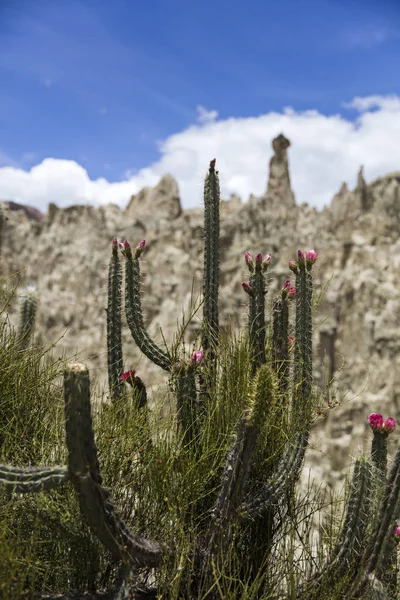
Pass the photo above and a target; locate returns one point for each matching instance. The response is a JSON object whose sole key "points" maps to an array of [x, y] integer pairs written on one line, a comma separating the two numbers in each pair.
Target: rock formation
{"points": [[357, 337], [278, 186]]}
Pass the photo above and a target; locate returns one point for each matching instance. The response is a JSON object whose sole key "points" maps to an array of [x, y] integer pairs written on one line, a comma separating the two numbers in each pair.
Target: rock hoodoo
{"points": [[278, 186]]}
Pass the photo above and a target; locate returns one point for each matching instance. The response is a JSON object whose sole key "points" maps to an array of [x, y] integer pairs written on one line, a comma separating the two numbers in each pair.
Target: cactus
{"points": [[32, 479], [211, 260], [85, 473], [114, 341], [302, 384], [29, 302], [256, 289], [256, 459]]}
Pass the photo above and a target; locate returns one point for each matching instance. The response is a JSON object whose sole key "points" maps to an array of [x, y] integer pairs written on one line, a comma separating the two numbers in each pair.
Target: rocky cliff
{"points": [[65, 253]]}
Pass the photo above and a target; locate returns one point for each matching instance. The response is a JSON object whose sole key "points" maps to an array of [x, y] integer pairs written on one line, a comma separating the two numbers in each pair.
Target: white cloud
{"points": [[326, 150], [363, 104], [205, 116]]}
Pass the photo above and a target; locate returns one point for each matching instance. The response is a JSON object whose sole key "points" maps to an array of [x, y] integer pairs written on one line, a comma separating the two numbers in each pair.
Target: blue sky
{"points": [[107, 85]]}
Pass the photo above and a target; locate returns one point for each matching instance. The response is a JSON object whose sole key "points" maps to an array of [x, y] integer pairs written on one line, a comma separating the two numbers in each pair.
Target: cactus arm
{"points": [[303, 378], [239, 459], [187, 404], [32, 479], [114, 339], [382, 539], [257, 316], [134, 316], [285, 476], [348, 548], [349, 544], [29, 302], [379, 451], [85, 473], [211, 258], [280, 341], [234, 475]]}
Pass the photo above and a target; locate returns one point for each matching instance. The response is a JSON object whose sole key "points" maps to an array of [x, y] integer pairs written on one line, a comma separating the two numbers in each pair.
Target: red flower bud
{"points": [[247, 288]]}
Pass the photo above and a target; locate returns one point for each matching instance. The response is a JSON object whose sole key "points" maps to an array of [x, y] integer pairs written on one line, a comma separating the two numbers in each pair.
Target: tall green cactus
{"points": [[211, 260], [302, 383], [29, 303], [280, 336], [114, 334], [257, 289]]}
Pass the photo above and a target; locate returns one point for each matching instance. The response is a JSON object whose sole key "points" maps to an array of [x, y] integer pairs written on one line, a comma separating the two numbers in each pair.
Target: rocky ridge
{"points": [[65, 253]]}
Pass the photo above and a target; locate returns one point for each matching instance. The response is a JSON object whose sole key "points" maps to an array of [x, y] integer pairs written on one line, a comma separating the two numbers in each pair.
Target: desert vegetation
{"points": [[116, 500]]}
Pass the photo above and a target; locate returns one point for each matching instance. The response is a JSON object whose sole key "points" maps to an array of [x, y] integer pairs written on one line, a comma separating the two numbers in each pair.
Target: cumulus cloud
{"points": [[326, 150]]}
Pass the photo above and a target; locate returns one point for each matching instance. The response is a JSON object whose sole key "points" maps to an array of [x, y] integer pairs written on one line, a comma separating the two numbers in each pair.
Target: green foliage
{"points": [[200, 504]]}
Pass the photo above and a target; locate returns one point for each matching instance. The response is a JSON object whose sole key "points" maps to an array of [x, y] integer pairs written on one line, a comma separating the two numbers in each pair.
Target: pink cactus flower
{"points": [[300, 256], [389, 425], [311, 257], [247, 288], [196, 357], [120, 245], [142, 244], [292, 292], [293, 266], [286, 286], [259, 258], [249, 261], [115, 243], [128, 376], [376, 421]]}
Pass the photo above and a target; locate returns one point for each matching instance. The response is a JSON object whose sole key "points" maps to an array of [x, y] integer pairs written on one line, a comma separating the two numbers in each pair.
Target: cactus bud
{"points": [[196, 357], [266, 260], [293, 266], [311, 257], [128, 376], [139, 248], [115, 243], [249, 261], [300, 257], [389, 425], [288, 290], [247, 288], [126, 248], [376, 421]]}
